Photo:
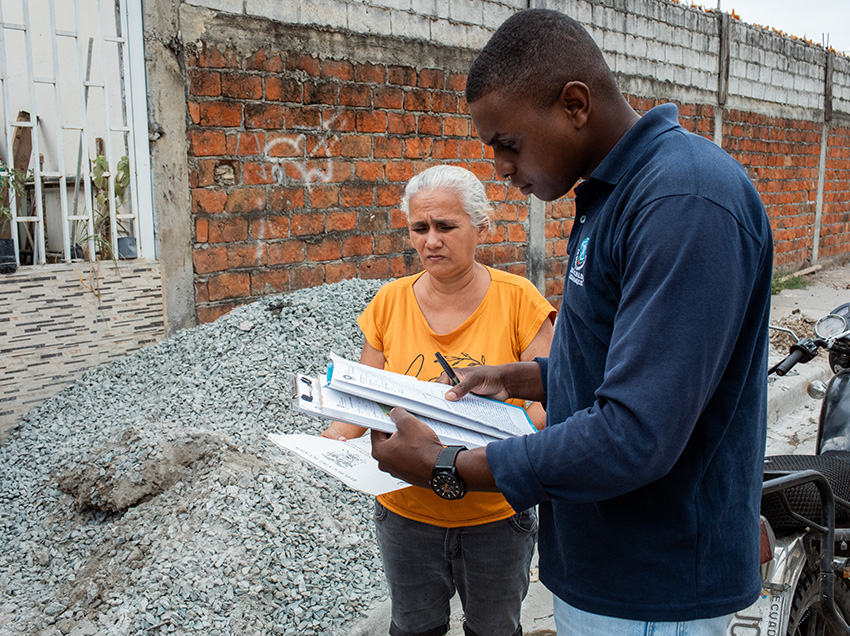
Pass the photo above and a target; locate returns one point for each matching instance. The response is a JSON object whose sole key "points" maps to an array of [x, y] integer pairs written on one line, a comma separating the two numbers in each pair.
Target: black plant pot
{"points": [[8, 262], [126, 247]]}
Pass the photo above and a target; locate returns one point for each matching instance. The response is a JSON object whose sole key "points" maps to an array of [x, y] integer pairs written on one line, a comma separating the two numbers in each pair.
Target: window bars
{"points": [[74, 156]]}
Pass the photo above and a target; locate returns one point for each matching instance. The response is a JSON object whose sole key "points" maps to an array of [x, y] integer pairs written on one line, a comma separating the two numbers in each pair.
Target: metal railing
{"points": [[72, 94]]}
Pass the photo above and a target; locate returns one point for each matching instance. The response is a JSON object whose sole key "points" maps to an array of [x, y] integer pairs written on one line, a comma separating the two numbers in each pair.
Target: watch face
{"points": [[447, 486]]}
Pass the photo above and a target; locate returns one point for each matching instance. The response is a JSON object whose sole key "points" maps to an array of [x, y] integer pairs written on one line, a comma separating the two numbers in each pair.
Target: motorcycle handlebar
{"points": [[788, 363]]}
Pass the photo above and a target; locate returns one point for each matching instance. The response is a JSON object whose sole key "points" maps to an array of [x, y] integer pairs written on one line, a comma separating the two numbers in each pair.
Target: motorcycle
{"points": [[805, 551]]}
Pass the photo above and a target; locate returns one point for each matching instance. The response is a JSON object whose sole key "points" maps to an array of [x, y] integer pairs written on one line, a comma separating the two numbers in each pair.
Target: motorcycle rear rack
{"points": [[779, 481]]}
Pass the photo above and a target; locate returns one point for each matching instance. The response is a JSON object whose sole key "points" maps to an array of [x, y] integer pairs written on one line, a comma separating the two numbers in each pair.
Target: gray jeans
{"points": [[488, 565]]}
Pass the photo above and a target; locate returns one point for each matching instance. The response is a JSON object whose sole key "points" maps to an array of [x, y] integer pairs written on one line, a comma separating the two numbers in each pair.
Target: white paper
{"points": [[496, 419], [351, 462], [331, 404]]}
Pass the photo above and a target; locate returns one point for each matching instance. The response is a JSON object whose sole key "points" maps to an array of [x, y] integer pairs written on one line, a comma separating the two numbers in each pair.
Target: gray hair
{"points": [[459, 181]]}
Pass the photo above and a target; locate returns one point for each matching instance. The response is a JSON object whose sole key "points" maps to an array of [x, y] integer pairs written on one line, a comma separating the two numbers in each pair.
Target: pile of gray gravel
{"points": [[146, 498]]}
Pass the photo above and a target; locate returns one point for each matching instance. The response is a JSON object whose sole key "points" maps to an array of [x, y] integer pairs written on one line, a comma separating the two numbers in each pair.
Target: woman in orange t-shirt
{"points": [[473, 315]]}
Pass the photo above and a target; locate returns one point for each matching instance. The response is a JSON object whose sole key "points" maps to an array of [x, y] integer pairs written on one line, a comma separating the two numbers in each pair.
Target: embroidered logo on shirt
{"points": [[576, 275]]}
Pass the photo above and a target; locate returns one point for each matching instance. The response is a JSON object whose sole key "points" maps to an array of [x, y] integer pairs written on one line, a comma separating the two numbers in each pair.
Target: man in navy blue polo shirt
{"points": [[648, 474]]}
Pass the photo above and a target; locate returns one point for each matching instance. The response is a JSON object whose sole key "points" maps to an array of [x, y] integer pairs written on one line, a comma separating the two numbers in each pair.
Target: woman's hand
{"points": [[342, 431]]}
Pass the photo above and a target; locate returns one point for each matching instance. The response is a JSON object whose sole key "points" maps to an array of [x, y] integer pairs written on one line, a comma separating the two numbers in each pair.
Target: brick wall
{"points": [[299, 150], [298, 163]]}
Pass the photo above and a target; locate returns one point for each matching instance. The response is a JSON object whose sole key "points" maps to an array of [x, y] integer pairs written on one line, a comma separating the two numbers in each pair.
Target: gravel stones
{"points": [[146, 498]]}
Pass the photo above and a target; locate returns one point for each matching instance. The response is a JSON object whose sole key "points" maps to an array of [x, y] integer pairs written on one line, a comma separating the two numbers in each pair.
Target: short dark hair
{"points": [[533, 54]]}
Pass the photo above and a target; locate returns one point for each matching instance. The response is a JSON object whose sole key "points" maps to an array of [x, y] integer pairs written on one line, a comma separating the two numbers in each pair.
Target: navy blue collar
{"points": [[633, 144]]}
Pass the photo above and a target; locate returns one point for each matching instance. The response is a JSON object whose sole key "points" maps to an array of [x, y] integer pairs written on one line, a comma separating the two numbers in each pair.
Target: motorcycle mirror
{"points": [[816, 389]]}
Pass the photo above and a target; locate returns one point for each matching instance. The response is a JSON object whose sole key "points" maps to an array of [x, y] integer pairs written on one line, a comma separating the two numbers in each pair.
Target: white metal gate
{"points": [[74, 156]]}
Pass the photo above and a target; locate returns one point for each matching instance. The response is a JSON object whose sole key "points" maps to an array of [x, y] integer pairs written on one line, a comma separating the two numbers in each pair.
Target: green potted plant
{"points": [[101, 232]]}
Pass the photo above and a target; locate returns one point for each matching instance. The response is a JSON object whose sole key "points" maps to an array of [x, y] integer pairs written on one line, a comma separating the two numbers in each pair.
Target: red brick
{"points": [[306, 224], [388, 147], [516, 233], [372, 268], [269, 281], [202, 294], [445, 149], [320, 92], [417, 100], [404, 265], [246, 200], [431, 78], [208, 201], [302, 118], [257, 173], [205, 143], [194, 112], [204, 83], [358, 245], [246, 255], [245, 144], [211, 57], [400, 171], [369, 170], [470, 149], [355, 95], [371, 121], [283, 89], [223, 114], [484, 170], [337, 120], [401, 75], [430, 125], [456, 82], [444, 102], [388, 97], [304, 277], [417, 148], [228, 229], [341, 221], [270, 227], [211, 313], [390, 243], [285, 145], [327, 250], [398, 219], [341, 69], [355, 146], [324, 196], [306, 63], [281, 199], [371, 220], [201, 230], [242, 86], [211, 259], [370, 73], [388, 195], [286, 252], [357, 196], [321, 146], [229, 285], [267, 116], [336, 272], [457, 126], [401, 123]]}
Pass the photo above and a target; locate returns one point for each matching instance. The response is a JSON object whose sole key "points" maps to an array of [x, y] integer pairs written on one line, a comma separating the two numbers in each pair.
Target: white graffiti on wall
{"points": [[298, 162]]}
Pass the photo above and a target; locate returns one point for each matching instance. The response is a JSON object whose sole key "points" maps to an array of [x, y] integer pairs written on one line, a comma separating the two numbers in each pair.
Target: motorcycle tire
{"points": [[806, 618]]}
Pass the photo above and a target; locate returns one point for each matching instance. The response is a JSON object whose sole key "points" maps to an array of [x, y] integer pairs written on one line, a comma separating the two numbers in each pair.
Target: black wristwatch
{"points": [[444, 478]]}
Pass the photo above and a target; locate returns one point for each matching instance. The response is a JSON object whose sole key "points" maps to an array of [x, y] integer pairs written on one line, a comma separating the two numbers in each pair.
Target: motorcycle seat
{"points": [[805, 500]]}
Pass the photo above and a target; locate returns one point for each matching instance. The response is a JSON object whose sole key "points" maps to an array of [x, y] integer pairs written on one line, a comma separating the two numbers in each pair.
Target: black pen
{"points": [[449, 371]]}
